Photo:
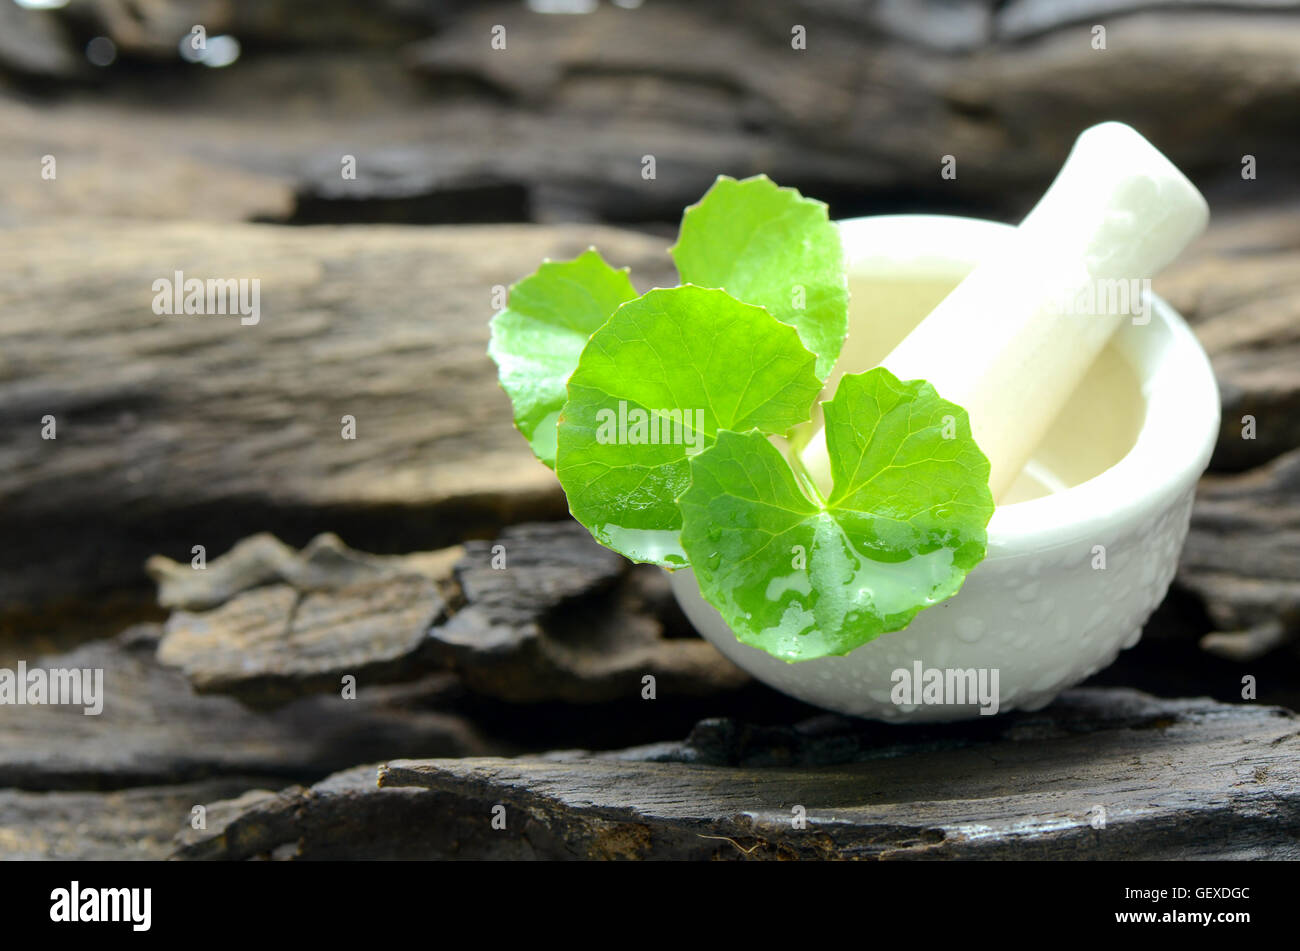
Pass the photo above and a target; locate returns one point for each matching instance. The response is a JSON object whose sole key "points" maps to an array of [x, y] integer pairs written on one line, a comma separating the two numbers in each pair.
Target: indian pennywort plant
{"points": [[729, 364]]}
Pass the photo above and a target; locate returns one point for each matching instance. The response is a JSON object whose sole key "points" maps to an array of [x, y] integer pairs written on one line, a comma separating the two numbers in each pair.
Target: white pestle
{"points": [[1015, 338]]}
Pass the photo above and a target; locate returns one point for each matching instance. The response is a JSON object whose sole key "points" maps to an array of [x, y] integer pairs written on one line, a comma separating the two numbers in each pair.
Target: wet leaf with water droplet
{"points": [[904, 524], [537, 338], [652, 387]]}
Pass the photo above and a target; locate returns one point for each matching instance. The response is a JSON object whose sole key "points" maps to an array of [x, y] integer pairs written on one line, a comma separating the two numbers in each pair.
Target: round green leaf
{"points": [[802, 578], [772, 247], [536, 340], [651, 389]]}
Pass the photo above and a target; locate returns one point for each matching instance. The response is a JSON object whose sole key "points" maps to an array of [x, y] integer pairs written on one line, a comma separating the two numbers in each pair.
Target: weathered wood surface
{"points": [[1242, 558], [328, 820], [1176, 779], [177, 431], [1008, 111], [1016, 19], [1239, 287], [553, 625], [1099, 774], [542, 613], [276, 643], [267, 624], [556, 125], [324, 563], [125, 824], [154, 729]]}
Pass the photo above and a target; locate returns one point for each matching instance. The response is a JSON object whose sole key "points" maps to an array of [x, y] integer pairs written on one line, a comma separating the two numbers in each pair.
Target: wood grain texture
{"points": [[123, 825], [1242, 558], [562, 618], [1175, 778], [541, 613], [556, 126], [183, 430], [154, 729], [267, 624]]}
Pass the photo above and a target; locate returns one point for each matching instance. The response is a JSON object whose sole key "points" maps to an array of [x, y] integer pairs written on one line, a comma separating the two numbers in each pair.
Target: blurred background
{"points": [[385, 167], [547, 119]]}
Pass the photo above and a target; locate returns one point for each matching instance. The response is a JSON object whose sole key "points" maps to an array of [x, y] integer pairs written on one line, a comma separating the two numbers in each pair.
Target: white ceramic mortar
{"points": [[1036, 609]]}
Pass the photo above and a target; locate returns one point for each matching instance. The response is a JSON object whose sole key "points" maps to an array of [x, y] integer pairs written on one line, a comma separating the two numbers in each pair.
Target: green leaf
{"points": [[801, 577], [536, 340], [771, 247], [685, 362]]}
